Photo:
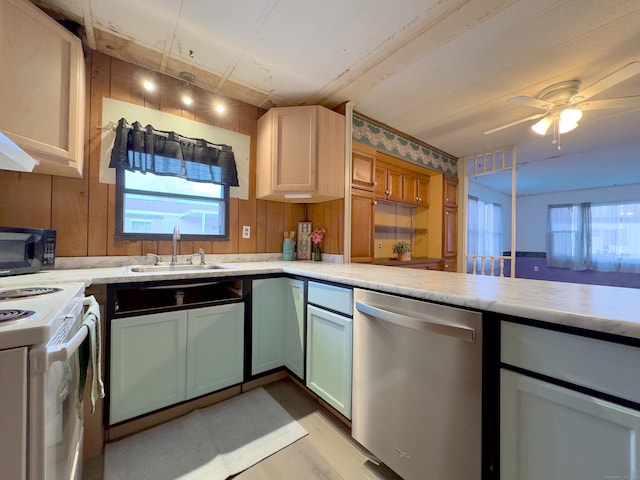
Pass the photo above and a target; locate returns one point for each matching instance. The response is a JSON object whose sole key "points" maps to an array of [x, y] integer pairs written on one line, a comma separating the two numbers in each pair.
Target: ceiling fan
{"points": [[564, 102]]}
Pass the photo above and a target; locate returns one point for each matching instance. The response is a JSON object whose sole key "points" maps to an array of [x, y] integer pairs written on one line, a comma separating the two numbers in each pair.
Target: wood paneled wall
{"points": [[83, 210]]}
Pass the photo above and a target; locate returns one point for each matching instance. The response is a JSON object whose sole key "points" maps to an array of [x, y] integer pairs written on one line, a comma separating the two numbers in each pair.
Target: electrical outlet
{"points": [[379, 245], [246, 231], [535, 268]]}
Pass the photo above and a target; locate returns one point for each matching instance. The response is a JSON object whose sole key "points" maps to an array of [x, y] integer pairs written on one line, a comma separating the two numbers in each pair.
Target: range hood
{"points": [[12, 157]]}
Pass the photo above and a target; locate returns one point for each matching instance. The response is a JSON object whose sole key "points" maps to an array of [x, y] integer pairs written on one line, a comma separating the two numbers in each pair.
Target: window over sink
{"points": [[166, 180]]}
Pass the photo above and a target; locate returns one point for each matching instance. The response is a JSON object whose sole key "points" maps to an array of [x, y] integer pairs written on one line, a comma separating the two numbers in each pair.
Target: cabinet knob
{"points": [[375, 202], [387, 192]]}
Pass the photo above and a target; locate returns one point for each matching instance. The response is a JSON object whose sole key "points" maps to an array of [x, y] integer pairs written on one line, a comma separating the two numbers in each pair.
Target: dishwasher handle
{"points": [[427, 324]]}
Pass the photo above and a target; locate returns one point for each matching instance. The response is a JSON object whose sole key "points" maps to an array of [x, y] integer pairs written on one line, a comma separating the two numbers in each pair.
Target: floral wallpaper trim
{"points": [[369, 133]]}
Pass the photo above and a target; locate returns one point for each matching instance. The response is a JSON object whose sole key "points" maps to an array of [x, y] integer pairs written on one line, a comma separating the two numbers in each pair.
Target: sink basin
{"points": [[171, 268]]}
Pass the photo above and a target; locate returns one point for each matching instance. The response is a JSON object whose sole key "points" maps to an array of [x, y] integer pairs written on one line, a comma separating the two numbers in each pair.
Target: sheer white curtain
{"points": [[605, 237], [484, 232], [615, 238], [567, 232]]}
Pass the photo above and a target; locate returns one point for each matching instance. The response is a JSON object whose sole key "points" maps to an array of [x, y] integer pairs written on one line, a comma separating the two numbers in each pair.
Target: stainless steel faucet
{"points": [[176, 237], [200, 253]]}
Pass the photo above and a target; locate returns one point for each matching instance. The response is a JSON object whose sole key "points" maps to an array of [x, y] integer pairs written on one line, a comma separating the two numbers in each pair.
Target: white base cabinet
{"points": [[550, 432], [551, 429], [277, 325], [329, 357], [165, 358]]}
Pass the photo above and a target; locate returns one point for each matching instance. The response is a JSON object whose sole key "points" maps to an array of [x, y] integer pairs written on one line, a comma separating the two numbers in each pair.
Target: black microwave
{"points": [[26, 250]]}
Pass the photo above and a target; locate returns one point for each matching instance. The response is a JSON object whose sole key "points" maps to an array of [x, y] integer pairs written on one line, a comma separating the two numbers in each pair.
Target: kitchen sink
{"points": [[171, 268]]}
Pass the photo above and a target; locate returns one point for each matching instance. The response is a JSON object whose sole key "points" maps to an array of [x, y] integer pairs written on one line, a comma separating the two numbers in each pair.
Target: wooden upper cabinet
{"points": [[422, 185], [363, 160], [300, 155], [450, 191], [42, 88], [388, 183], [416, 189]]}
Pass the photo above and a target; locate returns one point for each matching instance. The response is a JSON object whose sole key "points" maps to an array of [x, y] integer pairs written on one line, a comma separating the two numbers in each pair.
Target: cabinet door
{"points": [[450, 191], [329, 357], [294, 351], [294, 168], [450, 232], [394, 185], [410, 189], [380, 186], [422, 185], [552, 432], [450, 264], [268, 324], [148, 361], [42, 88], [362, 220], [215, 348], [363, 170]]}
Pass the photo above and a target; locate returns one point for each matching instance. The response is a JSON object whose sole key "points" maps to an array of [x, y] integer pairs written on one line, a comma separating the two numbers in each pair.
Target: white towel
{"points": [[92, 322]]}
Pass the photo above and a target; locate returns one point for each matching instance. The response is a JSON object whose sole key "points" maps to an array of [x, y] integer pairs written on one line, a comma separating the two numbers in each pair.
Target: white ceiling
{"points": [[440, 71]]}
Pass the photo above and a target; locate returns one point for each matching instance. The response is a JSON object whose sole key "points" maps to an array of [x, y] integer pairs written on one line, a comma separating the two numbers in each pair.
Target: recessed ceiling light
{"points": [[149, 85]]}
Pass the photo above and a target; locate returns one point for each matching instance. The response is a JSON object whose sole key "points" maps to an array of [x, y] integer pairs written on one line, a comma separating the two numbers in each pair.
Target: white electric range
{"points": [[42, 373]]}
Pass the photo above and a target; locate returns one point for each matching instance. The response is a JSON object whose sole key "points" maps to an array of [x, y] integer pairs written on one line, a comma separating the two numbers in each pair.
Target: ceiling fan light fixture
{"points": [[564, 127], [541, 127], [570, 115]]}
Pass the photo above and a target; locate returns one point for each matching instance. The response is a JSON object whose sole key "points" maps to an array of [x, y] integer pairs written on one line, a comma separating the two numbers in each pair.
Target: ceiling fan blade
{"points": [[609, 81], [532, 102], [622, 102], [532, 117]]}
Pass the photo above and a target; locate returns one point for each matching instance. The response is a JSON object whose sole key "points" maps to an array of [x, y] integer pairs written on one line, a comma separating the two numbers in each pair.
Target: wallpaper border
{"points": [[377, 136]]}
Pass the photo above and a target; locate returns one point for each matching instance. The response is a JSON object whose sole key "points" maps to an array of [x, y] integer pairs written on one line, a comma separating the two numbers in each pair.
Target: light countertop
{"points": [[611, 310]]}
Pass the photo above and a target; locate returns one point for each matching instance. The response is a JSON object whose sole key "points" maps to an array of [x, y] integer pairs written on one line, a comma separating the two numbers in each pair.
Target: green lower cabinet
{"points": [[329, 357], [162, 359], [277, 325], [215, 348]]}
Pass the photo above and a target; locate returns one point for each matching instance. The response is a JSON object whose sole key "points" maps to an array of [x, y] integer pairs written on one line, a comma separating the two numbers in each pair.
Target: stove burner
{"points": [[14, 293], [12, 315]]}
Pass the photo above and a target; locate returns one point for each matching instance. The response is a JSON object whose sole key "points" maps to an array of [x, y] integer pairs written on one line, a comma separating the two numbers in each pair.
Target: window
{"points": [[484, 233], [602, 237], [165, 180], [150, 204]]}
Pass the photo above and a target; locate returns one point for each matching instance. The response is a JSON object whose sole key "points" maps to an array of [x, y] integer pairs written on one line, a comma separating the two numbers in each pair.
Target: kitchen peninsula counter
{"points": [[608, 310]]}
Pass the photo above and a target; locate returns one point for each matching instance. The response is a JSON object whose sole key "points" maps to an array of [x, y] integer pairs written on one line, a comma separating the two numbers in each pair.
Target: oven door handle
{"points": [[61, 352]]}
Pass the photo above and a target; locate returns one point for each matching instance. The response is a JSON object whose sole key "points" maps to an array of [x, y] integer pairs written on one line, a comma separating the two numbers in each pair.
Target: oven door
{"points": [[57, 377]]}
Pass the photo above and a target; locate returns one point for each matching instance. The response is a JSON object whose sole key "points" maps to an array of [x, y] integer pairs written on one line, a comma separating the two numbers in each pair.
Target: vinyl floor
{"points": [[328, 452]]}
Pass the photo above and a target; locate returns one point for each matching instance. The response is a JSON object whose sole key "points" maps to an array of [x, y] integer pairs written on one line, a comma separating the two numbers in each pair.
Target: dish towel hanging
{"points": [[92, 322]]}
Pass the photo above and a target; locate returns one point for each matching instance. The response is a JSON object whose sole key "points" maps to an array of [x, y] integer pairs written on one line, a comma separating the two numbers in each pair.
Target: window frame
{"points": [[121, 235]]}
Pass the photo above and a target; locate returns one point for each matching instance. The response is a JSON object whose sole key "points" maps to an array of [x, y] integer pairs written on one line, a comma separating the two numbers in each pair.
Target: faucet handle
{"points": [[155, 257]]}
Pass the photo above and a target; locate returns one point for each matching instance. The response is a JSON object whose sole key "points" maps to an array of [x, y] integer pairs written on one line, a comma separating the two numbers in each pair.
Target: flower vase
{"points": [[317, 253]]}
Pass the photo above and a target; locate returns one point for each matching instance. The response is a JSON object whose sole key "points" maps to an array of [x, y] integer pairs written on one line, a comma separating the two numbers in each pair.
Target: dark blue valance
{"points": [[149, 150]]}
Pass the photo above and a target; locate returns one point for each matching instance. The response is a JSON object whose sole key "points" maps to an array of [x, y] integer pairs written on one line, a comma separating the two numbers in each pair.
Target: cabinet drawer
{"points": [[331, 297], [602, 366]]}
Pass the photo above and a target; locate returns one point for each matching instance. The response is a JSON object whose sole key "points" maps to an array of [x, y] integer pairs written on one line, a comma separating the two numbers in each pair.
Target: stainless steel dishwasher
{"points": [[417, 386]]}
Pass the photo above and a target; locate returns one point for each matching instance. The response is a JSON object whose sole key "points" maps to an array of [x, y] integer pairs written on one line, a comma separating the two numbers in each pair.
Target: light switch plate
{"points": [[246, 231]]}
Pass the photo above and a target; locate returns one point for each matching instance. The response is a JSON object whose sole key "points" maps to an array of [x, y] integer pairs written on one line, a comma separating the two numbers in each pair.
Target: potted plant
{"points": [[403, 250]]}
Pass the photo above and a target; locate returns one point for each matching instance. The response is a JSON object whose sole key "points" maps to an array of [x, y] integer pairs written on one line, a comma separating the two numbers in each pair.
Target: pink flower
{"points": [[318, 235]]}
